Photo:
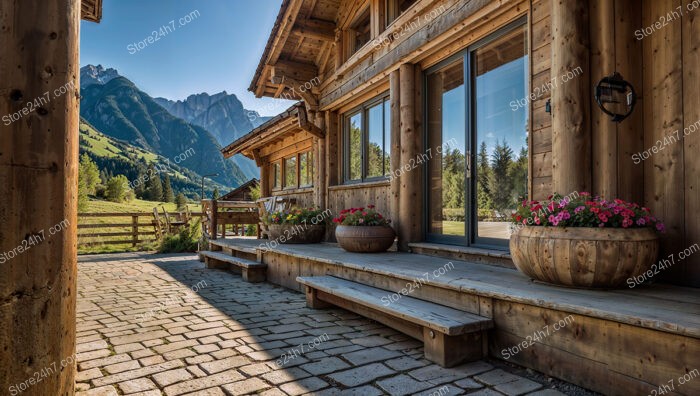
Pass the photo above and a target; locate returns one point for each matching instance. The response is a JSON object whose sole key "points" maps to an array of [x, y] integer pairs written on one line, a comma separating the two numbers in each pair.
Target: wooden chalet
{"points": [[242, 192], [399, 103]]}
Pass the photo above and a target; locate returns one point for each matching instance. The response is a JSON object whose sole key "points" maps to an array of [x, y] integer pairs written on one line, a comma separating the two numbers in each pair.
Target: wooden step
{"points": [[220, 244], [450, 336], [252, 271]]}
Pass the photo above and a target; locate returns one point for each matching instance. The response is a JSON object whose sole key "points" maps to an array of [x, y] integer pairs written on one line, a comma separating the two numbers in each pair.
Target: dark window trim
{"points": [[364, 138]]}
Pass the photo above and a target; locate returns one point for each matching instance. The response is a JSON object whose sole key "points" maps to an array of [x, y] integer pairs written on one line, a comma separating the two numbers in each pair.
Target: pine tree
{"points": [[154, 186], [215, 194], [180, 201], [168, 195], [483, 172], [500, 182], [518, 175]]}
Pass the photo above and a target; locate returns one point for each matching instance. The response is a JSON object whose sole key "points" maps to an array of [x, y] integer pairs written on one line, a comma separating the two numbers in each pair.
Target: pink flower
{"points": [[537, 220], [660, 227], [641, 222], [579, 209]]}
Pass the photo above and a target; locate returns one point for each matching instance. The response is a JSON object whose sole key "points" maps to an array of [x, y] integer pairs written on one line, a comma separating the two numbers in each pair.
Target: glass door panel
{"points": [[499, 79], [446, 148]]}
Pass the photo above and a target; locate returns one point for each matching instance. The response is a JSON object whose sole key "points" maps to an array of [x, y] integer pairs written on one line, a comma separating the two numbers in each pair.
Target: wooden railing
{"points": [[217, 215]]}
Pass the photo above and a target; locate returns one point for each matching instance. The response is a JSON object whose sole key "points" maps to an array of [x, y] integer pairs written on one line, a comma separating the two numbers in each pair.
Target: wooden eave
{"points": [[303, 29], [275, 128], [91, 10]]}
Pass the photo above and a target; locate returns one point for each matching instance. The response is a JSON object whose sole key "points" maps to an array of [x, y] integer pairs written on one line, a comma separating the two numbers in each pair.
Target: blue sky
{"points": [[217, 49]]}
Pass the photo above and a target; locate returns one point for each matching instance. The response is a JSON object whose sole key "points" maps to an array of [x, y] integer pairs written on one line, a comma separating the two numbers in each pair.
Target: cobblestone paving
{"points": [[165, 325]]}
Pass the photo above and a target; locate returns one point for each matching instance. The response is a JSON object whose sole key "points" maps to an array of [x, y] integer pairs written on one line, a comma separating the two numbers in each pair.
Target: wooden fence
{"points": [[135, 228]]}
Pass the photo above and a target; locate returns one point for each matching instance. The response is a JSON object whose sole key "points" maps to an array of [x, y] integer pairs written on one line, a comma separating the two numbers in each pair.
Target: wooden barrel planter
{"points": [[365, 239], [296, 233], [596, 258]]}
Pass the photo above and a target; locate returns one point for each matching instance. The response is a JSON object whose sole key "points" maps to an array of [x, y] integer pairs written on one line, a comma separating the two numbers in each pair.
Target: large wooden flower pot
{"points": [[369, 239], [296, 233], [584, 257]]}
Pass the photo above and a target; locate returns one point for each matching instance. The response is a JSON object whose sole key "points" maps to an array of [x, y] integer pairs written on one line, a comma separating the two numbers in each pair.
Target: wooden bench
{"points": [[252, 271], [450, 336]]}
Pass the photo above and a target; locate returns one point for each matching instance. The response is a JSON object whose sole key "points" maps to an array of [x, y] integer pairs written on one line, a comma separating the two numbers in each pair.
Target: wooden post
{"points": [[332, 154], [319, 164], [395, 159], [264, 179], [134, 230], [214, 218], [39, 175], [410, 189], [571, 134], [603, 129]]}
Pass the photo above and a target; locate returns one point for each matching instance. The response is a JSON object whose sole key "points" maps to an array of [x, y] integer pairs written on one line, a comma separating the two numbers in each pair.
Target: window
{"points": [[394, 8], [480, 172], [276, 175], [293, 172], [367, 138], [359, 33], [290, 172], [306, 169]]}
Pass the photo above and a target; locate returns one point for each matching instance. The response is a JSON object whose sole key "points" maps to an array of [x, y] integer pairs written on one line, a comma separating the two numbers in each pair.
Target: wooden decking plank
{"points": [[246, 245], [667, 308], [437, 317], [237, 261]]}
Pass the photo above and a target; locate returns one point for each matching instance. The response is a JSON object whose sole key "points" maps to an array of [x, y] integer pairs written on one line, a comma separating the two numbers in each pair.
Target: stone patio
{"points": [[165, 325]]}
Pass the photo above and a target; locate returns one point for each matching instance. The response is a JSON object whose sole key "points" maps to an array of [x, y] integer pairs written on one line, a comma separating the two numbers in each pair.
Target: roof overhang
{"points": [[292, 120], [288, 67], [91, 10]]}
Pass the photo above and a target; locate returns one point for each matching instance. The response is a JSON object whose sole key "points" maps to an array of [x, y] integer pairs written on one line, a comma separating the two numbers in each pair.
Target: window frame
{"points": [[392, 13], [276, 174], [471, 238], [281, 176], [363, 110]]}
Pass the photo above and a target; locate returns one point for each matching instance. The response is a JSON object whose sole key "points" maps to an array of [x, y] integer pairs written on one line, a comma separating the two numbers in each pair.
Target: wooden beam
{"points": [[332, 150], [309, 127], [39, 174], [571, 101], [395, 159], [319, 164], [315, 29], [298, 89], [91, 10], [304, 72], [603, 130], [410, 211], [257, 157]]}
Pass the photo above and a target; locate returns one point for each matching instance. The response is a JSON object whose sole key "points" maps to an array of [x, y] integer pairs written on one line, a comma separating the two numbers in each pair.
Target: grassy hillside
{"points": [[121, 158], [98, 206], [102, 145]]}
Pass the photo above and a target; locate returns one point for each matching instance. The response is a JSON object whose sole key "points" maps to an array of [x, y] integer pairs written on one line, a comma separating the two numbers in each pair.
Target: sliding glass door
{"points": [[477, 132]]}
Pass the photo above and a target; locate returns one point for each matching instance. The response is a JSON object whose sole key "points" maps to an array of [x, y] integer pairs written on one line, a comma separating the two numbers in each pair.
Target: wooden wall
{"points": [[671, 102]]}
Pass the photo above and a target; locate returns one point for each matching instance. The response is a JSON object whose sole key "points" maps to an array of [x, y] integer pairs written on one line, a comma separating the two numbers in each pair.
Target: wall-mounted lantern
{"points": [[615, 96]]}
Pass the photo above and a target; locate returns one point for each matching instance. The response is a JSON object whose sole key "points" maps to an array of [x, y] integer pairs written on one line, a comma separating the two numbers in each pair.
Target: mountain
{"points": [[91, 74], [119, 109], [221, 114], [115, 157]]}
